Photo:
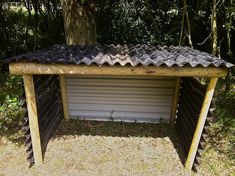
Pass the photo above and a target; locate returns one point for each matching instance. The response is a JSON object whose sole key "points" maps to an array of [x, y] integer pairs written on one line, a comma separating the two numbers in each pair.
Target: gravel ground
{"points": [[102, 149]]}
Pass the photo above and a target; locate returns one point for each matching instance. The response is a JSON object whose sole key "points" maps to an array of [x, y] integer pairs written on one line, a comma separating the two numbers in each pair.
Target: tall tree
{"points": [[79, 22], [185, 14], [214, 28], [229, 26]]}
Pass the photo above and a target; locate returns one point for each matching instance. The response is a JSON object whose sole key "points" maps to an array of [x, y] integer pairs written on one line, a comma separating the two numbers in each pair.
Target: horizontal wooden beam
{"points": [[69, 69]]}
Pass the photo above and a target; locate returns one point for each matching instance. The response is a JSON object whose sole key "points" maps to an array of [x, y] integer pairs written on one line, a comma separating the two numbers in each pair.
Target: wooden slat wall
{"points": [[190, 102], [49, 106], [50, 112], [27, 134]]}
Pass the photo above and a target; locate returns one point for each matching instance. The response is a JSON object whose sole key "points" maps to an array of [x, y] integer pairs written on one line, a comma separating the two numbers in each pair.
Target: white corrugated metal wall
{"points": [[120, 98]]}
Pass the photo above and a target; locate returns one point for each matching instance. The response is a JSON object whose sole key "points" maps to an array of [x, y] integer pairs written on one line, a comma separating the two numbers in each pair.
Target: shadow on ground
{"points": [[119, 129]]}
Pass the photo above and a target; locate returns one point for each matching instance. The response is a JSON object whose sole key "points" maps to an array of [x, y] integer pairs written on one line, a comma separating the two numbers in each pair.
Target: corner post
{"points": [[33, 118], [175, 101], [201, 122], [64, 97]]}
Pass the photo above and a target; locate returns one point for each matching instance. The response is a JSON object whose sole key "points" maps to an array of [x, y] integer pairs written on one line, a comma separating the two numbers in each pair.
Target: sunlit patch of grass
{"points": [[217, 163]]}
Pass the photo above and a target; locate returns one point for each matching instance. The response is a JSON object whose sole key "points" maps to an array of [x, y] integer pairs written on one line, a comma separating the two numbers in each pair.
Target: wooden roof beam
{"points": [[22, 68]]}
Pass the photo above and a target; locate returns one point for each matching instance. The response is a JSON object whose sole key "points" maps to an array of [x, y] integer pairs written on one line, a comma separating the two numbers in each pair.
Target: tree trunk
{"points": [[79, 22], [229, 36], [189, 28], [27, 6], [36, 7], [182, 25], [185, 14], [214, 28]]}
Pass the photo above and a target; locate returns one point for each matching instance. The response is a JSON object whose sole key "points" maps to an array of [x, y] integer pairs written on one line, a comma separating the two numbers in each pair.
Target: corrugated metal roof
{"points": [[126, 54]]}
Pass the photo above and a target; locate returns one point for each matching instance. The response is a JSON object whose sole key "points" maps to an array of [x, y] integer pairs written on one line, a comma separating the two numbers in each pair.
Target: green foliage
{"points": [[223, 127], [12, 25], [11, 103], [23, 31], [138, 21], [225, 101]]}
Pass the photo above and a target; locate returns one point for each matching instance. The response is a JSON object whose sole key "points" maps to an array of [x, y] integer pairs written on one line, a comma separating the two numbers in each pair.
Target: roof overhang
{"points": [[31, 68]]}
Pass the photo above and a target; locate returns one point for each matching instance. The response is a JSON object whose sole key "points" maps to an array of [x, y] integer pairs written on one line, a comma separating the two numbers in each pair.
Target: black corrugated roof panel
{"points": [[126, 54]]}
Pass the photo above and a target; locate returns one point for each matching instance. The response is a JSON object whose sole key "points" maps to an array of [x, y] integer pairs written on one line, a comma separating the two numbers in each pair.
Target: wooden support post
{"points": [[200, 124], [33, 118], [64, 97], [175, 101]]}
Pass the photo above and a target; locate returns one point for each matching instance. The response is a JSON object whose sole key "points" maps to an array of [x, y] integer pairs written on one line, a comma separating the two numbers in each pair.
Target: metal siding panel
{"points": [[128, 99]]}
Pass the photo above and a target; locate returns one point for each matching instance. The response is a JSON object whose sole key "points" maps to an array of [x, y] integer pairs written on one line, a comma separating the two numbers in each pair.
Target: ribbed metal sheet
{"points": [[120, 98], [192, 94], [123, 55], [49, 106], [27, 135]]}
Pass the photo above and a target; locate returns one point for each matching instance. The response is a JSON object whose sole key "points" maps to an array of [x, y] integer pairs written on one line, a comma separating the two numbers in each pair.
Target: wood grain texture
{"points": [[63, 69], [175, 101], [33, 118], [64, 96]]}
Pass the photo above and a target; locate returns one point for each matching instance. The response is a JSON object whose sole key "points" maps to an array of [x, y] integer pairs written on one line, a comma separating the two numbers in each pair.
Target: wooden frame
{"points": [[62, 69], [64, 97], [175, 101], [33, 118], [201, 122], [28, 69]]}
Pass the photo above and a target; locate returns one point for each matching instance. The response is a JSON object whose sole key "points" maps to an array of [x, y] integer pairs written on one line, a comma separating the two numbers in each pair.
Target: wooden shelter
{"points": [[124, 83]]}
